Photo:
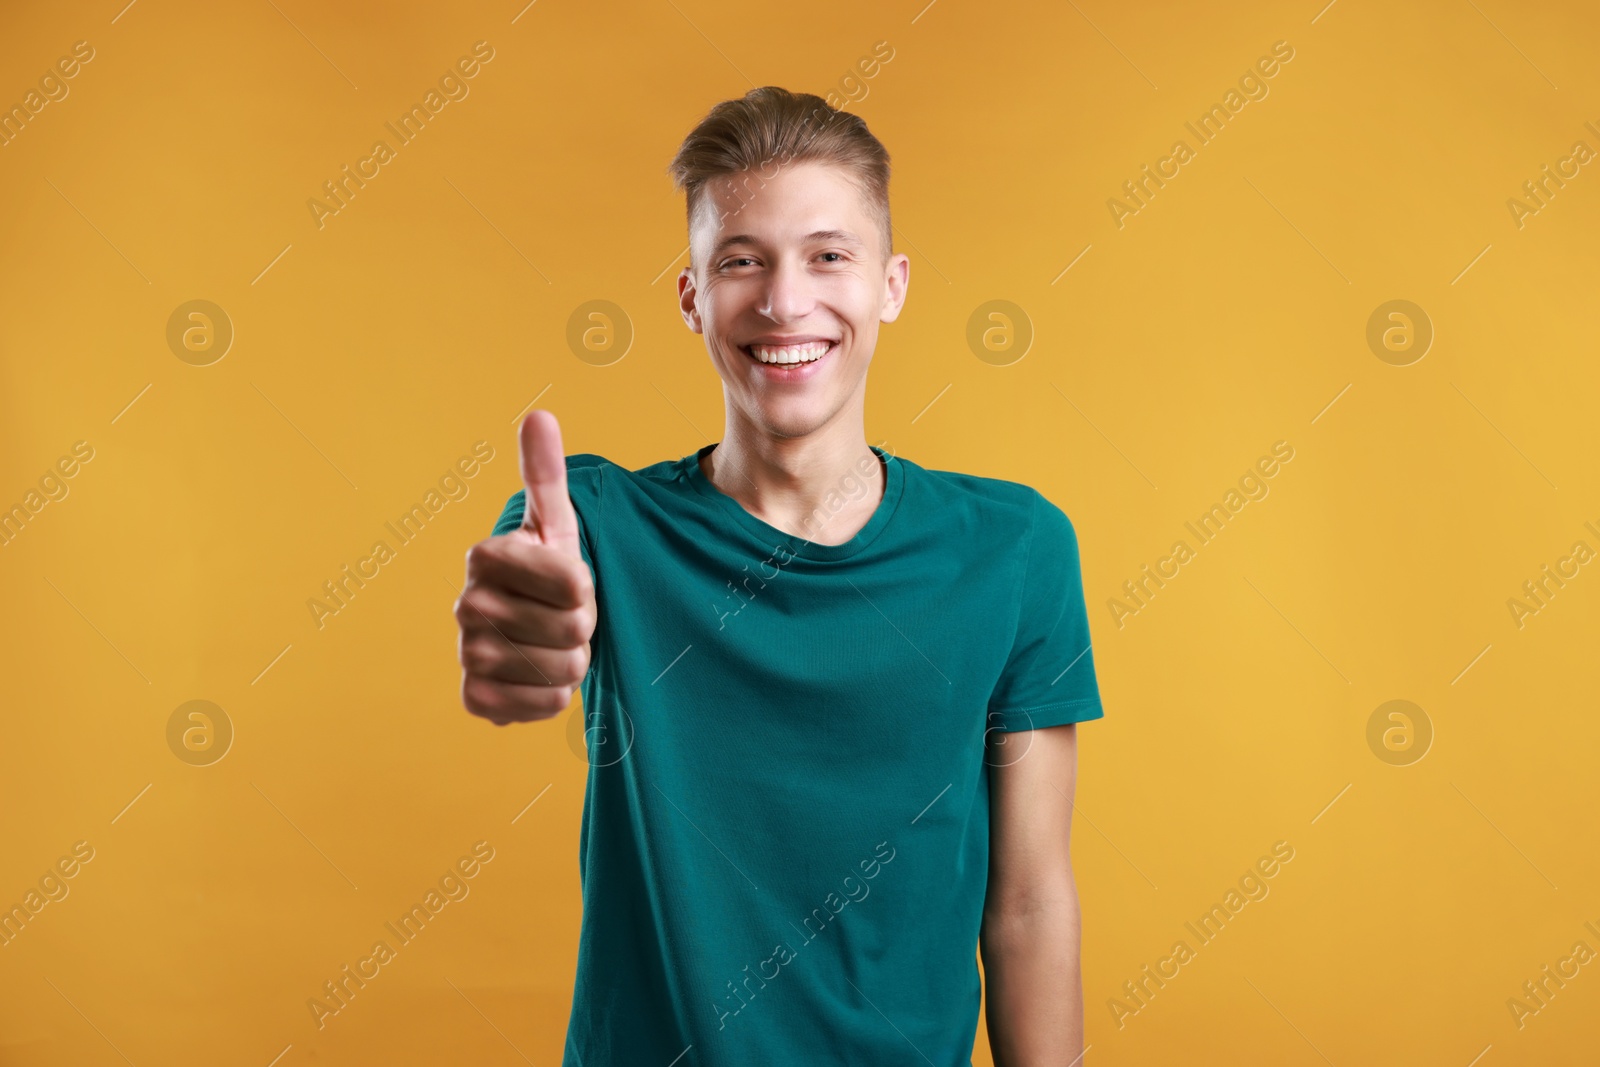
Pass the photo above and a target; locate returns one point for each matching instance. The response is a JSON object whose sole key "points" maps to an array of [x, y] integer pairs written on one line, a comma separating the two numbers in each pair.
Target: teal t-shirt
{"points": [[785, 837]]}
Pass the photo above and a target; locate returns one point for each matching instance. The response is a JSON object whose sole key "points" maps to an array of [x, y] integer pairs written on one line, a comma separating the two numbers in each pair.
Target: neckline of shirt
{"points": [[771, 537]]}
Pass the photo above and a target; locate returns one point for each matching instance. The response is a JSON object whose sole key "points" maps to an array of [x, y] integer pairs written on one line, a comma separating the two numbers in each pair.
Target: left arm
{"points": [[1031, 937]]}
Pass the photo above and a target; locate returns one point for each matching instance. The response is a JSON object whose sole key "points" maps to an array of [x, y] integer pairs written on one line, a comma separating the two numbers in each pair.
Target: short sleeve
{"points": [[583, 488], [1049, 678], [511, 517]]}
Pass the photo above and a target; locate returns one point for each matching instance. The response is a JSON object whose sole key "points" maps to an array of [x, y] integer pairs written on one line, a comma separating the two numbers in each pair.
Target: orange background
{"points": [[370, 354]]}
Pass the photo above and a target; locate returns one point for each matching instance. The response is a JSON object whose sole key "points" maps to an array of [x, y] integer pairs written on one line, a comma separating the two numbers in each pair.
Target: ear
{"points": [[897, 277], [687, 292]]}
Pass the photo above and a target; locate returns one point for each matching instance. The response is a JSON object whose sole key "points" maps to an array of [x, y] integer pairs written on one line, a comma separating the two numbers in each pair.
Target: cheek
{"points": [[722, 304], [860, 302], [863, 338]]}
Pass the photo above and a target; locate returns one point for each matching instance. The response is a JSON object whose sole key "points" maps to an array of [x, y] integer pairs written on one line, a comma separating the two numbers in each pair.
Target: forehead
{"points": [[799, 201]]}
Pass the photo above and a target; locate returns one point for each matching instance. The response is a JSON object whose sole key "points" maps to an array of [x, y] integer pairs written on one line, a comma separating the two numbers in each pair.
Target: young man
{"points": [[829, 694]]}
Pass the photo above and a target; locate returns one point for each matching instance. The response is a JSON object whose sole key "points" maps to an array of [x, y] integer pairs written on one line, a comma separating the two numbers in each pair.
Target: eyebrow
{"points": [[840, 236]]}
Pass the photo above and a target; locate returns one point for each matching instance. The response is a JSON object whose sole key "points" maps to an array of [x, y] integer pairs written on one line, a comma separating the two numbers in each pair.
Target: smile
{"points": [[788, 355], [790, 363]]}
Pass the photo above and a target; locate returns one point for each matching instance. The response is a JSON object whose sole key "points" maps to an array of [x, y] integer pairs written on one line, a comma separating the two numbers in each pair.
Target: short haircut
{"points": [[770, 128]]}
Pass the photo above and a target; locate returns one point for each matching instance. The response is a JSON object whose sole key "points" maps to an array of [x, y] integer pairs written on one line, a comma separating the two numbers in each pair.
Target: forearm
{"points": [[1034, 995]]}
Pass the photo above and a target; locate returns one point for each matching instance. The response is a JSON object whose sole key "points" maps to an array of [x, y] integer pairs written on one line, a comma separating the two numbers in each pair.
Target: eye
{"points": [[839, 254], [736, 260]]}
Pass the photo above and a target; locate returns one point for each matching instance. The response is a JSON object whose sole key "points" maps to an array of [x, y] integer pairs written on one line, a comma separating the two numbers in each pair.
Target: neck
{"points": [[823, 487]]}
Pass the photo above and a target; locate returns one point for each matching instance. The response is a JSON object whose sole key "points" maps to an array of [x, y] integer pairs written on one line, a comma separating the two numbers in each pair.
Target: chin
{"points": [[789, 420]]}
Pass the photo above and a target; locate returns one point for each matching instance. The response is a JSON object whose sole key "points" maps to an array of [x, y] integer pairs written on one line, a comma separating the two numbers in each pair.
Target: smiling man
{"points": [[829, 695]]}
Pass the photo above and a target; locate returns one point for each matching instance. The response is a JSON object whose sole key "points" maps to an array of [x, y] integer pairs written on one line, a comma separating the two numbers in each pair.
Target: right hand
{"points": [[527, 610]]}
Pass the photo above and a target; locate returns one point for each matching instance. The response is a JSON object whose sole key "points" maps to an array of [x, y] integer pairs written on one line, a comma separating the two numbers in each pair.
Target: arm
{"points": [[1030, 939]]}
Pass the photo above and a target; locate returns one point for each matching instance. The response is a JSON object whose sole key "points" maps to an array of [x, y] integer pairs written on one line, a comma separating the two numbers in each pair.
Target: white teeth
{"points": [[805, 353]]}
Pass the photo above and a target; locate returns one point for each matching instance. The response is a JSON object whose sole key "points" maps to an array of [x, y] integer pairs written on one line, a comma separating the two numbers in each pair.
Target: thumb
{"points": [[547, 511]]}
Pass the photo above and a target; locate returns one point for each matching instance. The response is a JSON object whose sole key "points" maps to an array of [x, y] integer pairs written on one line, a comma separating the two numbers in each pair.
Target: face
{"points": [[788, 283]]}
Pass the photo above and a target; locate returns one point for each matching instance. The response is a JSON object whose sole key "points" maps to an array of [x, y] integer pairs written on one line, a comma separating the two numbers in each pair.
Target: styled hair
{"points": [[769, 128]]}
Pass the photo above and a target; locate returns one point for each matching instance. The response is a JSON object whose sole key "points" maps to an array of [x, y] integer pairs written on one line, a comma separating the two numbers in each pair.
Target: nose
{"points": [[787, 296]]}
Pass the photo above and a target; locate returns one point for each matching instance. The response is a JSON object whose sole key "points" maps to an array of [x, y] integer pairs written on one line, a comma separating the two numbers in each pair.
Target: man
{"points": [[792, 648]]}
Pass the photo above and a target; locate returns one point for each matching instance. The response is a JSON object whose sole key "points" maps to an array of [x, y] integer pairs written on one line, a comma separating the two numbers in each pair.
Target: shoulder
{"points": [[1009, 508], [585, 475], [587, 461]]}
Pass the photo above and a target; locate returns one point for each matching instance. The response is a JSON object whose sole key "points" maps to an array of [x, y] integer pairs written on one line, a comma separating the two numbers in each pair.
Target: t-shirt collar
{"points": [[771, 537]]}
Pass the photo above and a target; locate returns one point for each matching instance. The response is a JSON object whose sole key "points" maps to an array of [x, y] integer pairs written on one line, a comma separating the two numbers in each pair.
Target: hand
{"points": [[527, 610]]}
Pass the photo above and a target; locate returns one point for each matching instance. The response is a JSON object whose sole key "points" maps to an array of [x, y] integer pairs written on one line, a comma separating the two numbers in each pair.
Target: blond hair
{"points": [[753, 137]]}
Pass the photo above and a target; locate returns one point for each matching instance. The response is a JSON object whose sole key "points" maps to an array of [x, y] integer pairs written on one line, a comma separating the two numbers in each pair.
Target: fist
{"points": [[527, 609]]}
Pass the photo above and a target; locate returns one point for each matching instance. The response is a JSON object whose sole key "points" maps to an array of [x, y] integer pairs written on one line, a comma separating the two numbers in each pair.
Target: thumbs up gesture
{"points": [[527, 610]]}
